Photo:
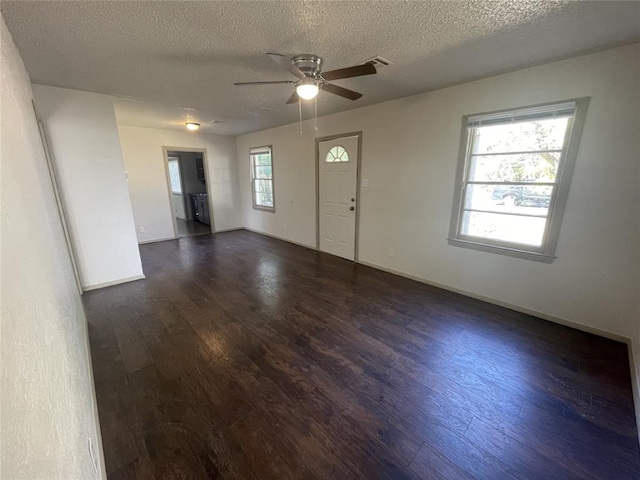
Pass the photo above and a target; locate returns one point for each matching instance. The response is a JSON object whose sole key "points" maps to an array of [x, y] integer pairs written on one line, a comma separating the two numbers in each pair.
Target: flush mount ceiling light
{"points": [[193, 126], [307, 89]]}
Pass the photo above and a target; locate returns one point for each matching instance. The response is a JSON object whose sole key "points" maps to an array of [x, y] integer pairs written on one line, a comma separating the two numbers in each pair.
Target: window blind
{"points": [[259, 151], [566, 109]]}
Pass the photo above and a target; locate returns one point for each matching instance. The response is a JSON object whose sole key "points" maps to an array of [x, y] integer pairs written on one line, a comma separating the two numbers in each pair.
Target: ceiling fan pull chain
{"points": [[315, 111], [300, 111]]}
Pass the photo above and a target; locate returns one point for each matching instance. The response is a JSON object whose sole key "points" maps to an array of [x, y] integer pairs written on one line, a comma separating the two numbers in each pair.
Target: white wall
{"points": [[177, 203], [142, 150], [410, 152], [83, 136], [48, 403]]}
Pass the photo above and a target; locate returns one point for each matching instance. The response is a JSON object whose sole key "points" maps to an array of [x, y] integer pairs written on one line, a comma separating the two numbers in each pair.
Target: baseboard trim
{"points": [[634, 351], [493, 301], [277, 237], [112, 283], [102, 467], [222, 230], [144, 242], [510, 306]]}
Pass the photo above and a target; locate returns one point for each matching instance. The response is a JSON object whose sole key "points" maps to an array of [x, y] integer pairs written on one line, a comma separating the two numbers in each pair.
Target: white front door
{"points": [[338, 172]]}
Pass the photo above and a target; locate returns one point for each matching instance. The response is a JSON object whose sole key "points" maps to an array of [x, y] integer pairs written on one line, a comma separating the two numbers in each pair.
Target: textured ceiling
{"points": [[169, 62]]}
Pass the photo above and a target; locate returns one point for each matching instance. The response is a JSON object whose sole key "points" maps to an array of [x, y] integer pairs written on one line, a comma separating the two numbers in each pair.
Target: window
{"points": [[513, 178], [336, 154], [262, 178], [174, 175]]}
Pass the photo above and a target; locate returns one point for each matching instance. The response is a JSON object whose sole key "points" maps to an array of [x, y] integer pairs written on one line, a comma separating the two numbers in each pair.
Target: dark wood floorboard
{"points": [[244, 357], [187, 228]]}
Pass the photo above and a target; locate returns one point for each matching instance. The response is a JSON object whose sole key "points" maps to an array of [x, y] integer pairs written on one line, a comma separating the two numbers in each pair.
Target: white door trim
{"points": [[358, 164], [165, 154], [53, 176]]}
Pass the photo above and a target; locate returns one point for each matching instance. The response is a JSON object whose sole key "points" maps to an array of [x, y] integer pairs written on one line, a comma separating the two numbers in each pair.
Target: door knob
{"points": [[352, 208], [353, 199]]}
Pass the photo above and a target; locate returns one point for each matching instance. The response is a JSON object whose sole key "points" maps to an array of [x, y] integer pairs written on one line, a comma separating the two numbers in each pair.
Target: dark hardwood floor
{"points": [[187, 228], [241, 356]]}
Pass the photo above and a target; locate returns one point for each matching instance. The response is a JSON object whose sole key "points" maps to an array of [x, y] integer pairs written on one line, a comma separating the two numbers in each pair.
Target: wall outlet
{"points": [[365, 183], [392, 252], [94, 457], [285, 226], [141, 229]]}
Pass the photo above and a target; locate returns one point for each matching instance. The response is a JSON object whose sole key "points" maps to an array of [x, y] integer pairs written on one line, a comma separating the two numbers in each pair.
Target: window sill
{"points": [[265, 209], [511, 252]]}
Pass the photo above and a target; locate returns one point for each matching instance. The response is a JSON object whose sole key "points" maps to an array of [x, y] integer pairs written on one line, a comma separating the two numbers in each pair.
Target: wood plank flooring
{"points": [[187, 228], [245, 357]]}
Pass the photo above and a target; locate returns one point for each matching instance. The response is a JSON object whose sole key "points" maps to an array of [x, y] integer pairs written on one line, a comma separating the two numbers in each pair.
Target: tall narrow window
{"points": [[174, 175], [513, 178], [262, 178]]}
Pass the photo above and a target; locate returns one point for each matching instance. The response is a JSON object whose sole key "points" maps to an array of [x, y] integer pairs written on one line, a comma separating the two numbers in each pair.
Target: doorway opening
{"points": [[188, 191], [338, 160]]}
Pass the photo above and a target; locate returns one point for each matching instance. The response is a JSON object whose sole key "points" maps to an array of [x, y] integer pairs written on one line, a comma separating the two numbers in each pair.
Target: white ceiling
{"points": [[169, 62]]}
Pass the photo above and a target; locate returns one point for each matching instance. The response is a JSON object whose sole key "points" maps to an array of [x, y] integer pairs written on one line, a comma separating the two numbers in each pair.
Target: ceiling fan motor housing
{"points": [[309, 64], [307, 67]]}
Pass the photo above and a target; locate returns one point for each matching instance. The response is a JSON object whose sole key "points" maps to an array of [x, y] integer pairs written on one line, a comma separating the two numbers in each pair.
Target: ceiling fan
{"points": [[308, 68]]}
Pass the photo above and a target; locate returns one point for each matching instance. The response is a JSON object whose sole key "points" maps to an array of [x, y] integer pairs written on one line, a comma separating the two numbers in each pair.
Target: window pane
{"points": [[505, 228], [174, 176], [521, 136], [263, 186], [479, 197], [264, 199], [522, 199], [263, 171], [262, 159], [537, 167], [337, 154]]}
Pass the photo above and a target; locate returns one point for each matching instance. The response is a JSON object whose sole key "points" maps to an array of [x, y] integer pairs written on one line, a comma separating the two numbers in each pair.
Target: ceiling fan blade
{"points": [[293, 98], [273, 82], [285, 63], [355, 71], [343, 92]]}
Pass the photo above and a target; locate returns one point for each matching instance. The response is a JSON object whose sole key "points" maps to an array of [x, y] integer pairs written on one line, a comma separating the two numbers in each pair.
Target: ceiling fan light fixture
{"points": [[193, 126], [311, 79], [307, 90]]}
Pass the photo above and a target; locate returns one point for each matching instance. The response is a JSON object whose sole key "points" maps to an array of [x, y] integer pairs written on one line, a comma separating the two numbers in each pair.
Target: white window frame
{"points": [[577, 109], [253, 152]]}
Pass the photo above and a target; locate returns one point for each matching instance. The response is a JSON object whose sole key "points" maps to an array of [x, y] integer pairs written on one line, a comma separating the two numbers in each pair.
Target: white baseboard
{"points": [[277, 237], [510, 306], [632, 349], [99, 447], [634, 362], [111, 283], [500, 303], [222, 230], [155, 240]]}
